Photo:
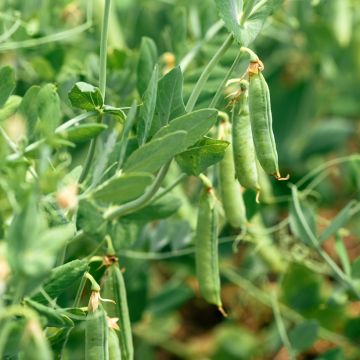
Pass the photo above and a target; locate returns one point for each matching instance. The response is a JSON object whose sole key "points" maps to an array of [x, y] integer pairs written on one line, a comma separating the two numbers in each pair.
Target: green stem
{"points": [[211, 32], [103, 48], [74, 121], [207, 71], [334, 267], [79, 292], [281, 327], [62, 35], [88, 160], [170, 187], [219, 91], [142, 201], [102, 85]]}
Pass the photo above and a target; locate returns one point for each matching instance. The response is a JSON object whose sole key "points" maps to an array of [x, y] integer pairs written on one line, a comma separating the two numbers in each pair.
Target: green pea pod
{"points": [[114, 289], [243, 145], [261, 124], [206, 250], [230, 189], [114, 346], [96, 336]]}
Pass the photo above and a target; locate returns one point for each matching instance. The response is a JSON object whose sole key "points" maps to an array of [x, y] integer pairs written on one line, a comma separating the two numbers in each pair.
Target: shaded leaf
{"points": [[7, 83], [48, 108], [28, 108], [61, 277], [90, 219], [203, 154], [303, 336], [159, 209]]}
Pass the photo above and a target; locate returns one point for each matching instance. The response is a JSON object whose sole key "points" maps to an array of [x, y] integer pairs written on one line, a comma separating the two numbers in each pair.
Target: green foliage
{"points": [[107, 160]]}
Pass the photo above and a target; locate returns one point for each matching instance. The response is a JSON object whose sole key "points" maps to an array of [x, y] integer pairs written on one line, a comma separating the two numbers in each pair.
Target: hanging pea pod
{"points": [[114, 288], [96, 335], [242, 142], [206, 249], [114, 346], [261, 121], [230, 189]]}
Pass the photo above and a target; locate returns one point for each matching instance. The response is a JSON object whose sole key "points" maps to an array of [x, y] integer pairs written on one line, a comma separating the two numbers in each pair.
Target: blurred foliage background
{"points": [[310, 49]]}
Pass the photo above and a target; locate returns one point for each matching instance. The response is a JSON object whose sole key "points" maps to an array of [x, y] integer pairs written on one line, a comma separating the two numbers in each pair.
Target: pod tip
{"points": [[280, 178], [222, 311]]}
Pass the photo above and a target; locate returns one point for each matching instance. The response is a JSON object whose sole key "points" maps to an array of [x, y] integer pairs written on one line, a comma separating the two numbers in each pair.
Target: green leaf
{"points": [[169, 104], [340, 220], [203, 154], [304, 335], [10, 107], [302, 220], [124, 234], [229, 11], [122, 188], [301, 288], [85, 96], [332, 354], [29, 108], [196, 124], [151, 156], [342, 253], [53, 317], [148, 108], [90, 219], [246, 33], [7, 84], [40, 256], [160, 209], [61, 278], [48, 109], [147, 59], [83, 132]]}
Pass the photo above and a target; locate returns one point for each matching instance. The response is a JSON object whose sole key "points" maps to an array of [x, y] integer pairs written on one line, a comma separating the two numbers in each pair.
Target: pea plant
{"points": [[133, 184]]}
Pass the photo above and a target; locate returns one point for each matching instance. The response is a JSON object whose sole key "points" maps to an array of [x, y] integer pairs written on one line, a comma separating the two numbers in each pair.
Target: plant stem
{"points": [[102, 86], [170, 187], [103, 48], [207, 71], [211, 32], [281, 327], [74, 121], [62, 35], [142, 201], [331, 263], [219, 90], [88, 161]]}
